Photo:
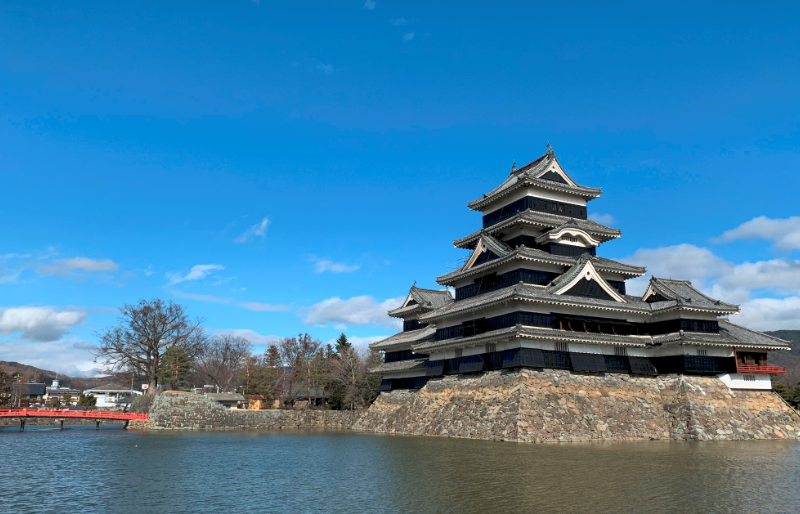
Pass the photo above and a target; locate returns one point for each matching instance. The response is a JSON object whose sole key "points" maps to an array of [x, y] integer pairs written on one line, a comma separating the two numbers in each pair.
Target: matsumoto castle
{"points": [[535, 293]]}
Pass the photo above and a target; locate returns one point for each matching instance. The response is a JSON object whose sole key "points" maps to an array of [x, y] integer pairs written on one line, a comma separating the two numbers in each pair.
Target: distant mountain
{"points": [[793, 336], [790, 359], [33, 374]]}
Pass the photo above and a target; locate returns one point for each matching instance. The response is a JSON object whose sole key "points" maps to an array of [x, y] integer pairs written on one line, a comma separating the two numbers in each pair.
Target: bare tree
{"points": [[222, 361], [143, 333], [298, 353]]}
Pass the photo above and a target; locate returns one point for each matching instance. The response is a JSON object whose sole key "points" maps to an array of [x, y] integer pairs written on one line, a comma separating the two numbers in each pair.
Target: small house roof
{"points": [[28, 389], [108, 387], [225, 397]]}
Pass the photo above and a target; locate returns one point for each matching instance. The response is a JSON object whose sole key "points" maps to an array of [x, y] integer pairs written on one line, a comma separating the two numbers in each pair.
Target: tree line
{"points": [[156, 342]]}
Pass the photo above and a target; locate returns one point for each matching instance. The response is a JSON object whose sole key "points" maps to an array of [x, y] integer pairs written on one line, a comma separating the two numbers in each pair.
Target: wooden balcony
{"points": [[750, 368]]}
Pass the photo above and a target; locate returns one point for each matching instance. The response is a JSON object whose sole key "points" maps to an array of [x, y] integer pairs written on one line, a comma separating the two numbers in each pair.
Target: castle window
{"points": [[702, 353], [620, 351], [562, 347], [749, 378]]}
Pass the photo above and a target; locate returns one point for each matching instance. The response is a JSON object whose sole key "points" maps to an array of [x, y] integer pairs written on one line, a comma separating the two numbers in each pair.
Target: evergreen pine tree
{"points": [[782, 390], [86, 400], [174, 367], [342, 343]]}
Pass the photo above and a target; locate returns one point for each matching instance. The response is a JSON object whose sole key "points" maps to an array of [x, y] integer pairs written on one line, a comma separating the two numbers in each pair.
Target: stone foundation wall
{"points": [[527, 406], [187, 411]]}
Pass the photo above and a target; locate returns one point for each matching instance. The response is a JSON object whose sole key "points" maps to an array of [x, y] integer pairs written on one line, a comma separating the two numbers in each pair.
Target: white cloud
{"points": [[784, 233], [251, 335], [782, 275], [369, 4], [326, 68], [323, 265], [39, 323], [770, 314], [199, 297], [257, 230], [359, 310], [148, 270], [68, 356], [603, 219], [262, 307], [408, 37], [681, 262], [198, 271], [733, 283], [398, 22]]}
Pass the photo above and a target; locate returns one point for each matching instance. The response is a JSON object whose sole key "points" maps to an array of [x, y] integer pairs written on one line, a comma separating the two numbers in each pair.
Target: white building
{"points": [[109, 394]]}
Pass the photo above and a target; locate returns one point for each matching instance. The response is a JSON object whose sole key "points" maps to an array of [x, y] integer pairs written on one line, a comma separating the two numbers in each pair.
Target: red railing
{"points": [[751, 368], [82, 414]]}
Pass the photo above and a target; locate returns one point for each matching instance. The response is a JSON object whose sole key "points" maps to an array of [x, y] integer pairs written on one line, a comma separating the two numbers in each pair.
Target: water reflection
{"points": [[131, 472]]}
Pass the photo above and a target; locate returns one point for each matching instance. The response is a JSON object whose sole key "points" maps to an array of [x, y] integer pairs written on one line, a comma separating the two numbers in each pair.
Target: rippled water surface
{"points": [[113, 470]]}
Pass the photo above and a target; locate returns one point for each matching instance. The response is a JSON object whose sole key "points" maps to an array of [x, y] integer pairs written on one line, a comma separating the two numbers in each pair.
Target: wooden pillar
{"points": [[97, 425], [125, 426], [21, 424], [61, 423]]}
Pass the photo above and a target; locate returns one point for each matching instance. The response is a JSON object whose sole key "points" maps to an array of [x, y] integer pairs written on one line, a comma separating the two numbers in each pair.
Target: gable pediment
{"points": [[586, 281]]}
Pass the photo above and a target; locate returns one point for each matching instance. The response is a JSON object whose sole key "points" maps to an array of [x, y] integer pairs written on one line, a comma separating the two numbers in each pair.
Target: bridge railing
{"points": [[81, 414]]}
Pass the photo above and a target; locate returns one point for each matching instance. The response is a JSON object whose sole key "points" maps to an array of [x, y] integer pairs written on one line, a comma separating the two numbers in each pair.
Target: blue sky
{"points": [[295, 166]]}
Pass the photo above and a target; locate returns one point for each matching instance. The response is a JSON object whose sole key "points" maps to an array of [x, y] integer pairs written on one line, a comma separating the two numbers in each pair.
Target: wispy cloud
{"points": [[257, 230], [323, 265], [262, 307], [64, 266], [198, 297], [198, 271], [398, 22], [369, 4], [68, 356], [325, 68], [408, 36]]}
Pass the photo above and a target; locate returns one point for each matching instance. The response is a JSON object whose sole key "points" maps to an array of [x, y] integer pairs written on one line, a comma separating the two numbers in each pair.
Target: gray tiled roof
{"points": [[529, 175], [542, 219], [541, 294], [681, 292], [409, 365], [427, 299], [534, 254], [549, 334], [225, 397], [28, 389], [404, 340], [729, 335]]}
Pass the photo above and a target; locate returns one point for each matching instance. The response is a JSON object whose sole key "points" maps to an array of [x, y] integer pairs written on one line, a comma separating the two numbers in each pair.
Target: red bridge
{"points": [[61, 415]]}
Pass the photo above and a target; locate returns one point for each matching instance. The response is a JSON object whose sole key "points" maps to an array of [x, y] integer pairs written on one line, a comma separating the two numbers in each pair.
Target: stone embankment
{"points": [[187, 411], [527, 406]]}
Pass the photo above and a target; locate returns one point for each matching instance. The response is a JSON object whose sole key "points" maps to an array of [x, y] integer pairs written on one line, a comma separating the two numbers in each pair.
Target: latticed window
{"points": [[702, 353], [562, 347], [620, 351]]}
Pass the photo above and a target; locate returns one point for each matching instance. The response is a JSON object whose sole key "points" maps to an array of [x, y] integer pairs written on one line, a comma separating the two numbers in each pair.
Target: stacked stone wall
{"points": [[187, 411], [527, 406]]}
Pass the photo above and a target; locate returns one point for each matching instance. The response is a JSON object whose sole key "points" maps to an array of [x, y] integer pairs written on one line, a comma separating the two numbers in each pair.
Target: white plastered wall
{"points": [[747, 381]]}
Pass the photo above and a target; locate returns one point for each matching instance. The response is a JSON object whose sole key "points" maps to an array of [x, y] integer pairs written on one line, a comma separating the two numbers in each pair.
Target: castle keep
{"points": [[534, 293]]}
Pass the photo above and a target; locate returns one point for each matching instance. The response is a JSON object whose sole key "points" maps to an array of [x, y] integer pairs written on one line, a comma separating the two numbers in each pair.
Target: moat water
{"points": [[81, 470]]}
